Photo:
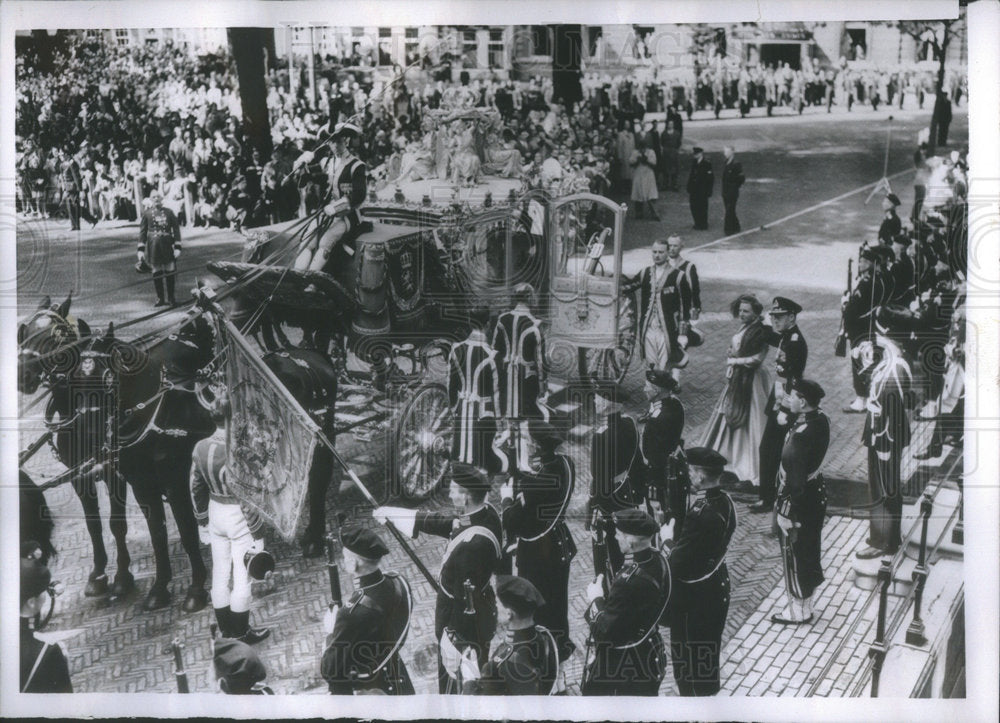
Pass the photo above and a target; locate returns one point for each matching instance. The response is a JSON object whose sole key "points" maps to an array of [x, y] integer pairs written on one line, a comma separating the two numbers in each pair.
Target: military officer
{"points": [[699, 187], [902, 272], [365, 637], [341, 217], [627, 655], [801, 503], [533, 513], [474, 395], [44, 668], [859, 307], [886, 434], [465, 614], [661, 446], [701, 580], [789, 365], [520, 350], [616, 477], [525, 662], [159, 247]]}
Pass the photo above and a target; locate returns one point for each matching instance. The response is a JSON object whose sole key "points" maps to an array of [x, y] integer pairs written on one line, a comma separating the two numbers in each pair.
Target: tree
{"points": [[939, 34]]}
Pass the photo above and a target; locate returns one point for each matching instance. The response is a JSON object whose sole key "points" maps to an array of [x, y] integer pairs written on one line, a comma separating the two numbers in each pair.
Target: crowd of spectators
{"points": [[121, 121]]}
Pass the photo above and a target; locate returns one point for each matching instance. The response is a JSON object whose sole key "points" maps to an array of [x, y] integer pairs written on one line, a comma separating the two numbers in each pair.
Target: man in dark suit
{"points": [[699, 188], [789, 365], [44, 668], [465, 614], [732, 179], [891, 225]]}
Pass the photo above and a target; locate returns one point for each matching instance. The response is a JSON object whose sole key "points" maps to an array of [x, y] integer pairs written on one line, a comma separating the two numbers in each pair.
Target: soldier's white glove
{"points": [[784, 523], [470, 665], [177, 252], [337, 208], [507, 489], [450, 656], [140, 256], [304, 158], [203, 535], [683, 341], [330, 618], [782, 419], [884, 456], [667, 531], [405, 520], [595, 589]]}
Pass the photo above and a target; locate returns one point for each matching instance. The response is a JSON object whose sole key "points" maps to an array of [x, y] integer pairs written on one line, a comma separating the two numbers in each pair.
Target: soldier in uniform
{"points": [[661, 449], [159, 247], [886, 434], [701, 580], [465, 615], [44, 668], [474, 395], [801, 503], [891, 225], [341, 219], [365, 637], [520, 355], [789, 365], [627, 652], [526, 661], [616, 470], [683, 274], [72, 188], [699, 188], [238, 669], [533, 513], [859, 307], [902, 272], [659, 312]]}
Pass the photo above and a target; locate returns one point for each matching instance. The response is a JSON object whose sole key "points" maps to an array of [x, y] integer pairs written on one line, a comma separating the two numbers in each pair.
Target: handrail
{"points": [[895, 560]]}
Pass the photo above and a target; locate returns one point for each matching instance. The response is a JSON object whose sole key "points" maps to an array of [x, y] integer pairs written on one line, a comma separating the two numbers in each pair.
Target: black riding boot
{"points": [[223, 616], [243, 631]]}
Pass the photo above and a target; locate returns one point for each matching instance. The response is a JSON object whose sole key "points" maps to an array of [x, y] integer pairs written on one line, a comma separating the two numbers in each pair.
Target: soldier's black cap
{"points": [[893, 199], [697, 149], [35, 578], [364, 543], [518, 594], [544, 434], [469, 477], [238, 664], [782, 305], [809, 390], [634, 521], [705, 457], [661, 378]]}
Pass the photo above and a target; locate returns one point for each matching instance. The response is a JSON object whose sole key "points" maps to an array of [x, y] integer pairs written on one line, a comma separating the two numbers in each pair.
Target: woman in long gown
{"points": [[737, 423], [643, 163]]}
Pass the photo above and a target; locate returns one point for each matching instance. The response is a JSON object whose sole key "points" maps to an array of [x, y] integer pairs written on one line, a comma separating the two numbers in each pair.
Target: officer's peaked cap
{"points": [[661, 378], [705, 457], [469, 477], [238, 663], [809, 390], [544, 434], [518, 593], [364, 542], [634, 521], [782, 305]]}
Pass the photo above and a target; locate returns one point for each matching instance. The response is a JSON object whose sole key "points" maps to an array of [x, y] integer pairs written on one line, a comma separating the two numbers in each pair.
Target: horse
{"points": [[128, 415]]}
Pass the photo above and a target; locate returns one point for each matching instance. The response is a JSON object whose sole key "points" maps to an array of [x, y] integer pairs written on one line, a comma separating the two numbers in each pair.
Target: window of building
{"points": [[859, 43], [593, 35], [497, 50], [541, 40], [926, 51], [121, 36], [470, 45]]}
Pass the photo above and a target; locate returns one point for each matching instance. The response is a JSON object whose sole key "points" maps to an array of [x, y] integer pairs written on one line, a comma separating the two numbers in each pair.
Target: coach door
{"points": [[585, 258]]}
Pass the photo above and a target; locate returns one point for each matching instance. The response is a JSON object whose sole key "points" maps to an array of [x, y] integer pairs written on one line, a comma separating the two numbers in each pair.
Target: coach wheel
{"points": [[611, 364], [423, 441]]}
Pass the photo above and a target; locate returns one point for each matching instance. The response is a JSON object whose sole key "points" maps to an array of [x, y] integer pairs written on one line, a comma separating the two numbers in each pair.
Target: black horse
{"points": [[125, 413]]}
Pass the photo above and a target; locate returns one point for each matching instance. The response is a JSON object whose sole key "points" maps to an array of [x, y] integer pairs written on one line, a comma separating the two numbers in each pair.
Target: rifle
{"points": [[840, 345], [333, 571], [177, 647], [602, 565]]}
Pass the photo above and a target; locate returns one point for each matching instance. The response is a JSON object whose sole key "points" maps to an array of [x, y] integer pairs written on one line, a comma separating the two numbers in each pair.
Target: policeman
{"points": [[238, 668], [660, 445], [465, 614], [616, 477], [789, 365], [701, 580], [626, 655], [365, 637], [44, 668], [801, 503], [534, 506], [348, 189], [526, 661], [474, 396], [520, 349], [869, 293]]}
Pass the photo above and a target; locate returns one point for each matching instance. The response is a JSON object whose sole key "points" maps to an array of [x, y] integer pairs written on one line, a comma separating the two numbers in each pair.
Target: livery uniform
{"points": [[701, 593], [789, 365], [473, 554], [802, 500], [520, 358], [628, 655], [659, 315], [362, 652], [474, 394], [535, 521]]}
